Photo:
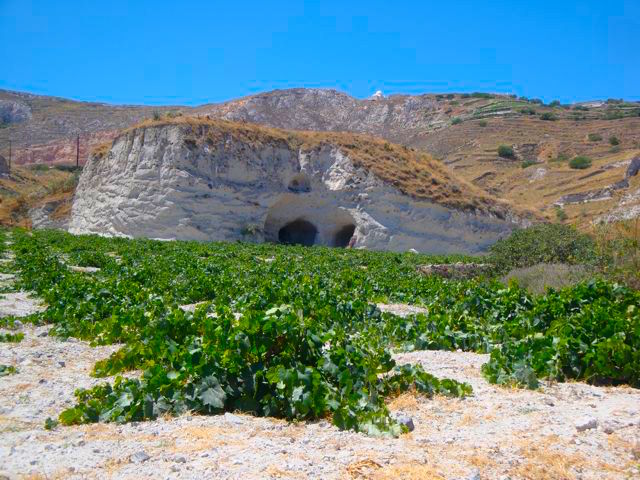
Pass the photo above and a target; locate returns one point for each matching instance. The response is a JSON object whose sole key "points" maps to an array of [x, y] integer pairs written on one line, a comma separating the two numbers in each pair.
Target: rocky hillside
{"points": [[43, 129], [464, 131]]}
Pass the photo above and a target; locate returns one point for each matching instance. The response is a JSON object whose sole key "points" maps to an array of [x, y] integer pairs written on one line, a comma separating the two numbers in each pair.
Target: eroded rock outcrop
{"points": [[200, 179], [14, 112]]}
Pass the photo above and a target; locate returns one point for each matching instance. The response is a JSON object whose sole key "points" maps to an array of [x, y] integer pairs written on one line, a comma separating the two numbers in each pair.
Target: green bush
{"points": [[39, 167], [580, 162], [456, 121], [157, 115], [528, 163], [546, 243], [613, 140], [7, 370], [561, 214], [482, 123], [581, 108], [555, 103], [68, 168], [527, 111], [505, 151], [594, 137], [548, 116]]}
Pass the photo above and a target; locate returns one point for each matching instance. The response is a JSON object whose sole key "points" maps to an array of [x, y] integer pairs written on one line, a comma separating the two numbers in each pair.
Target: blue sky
{"points": [[188, 52]]}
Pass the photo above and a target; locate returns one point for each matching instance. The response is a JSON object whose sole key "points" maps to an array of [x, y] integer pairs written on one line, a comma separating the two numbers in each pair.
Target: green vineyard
{"points": [[295, 332]]}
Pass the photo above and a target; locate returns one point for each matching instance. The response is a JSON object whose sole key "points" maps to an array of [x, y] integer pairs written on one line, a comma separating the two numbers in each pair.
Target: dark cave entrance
{"points": [[298, 232], [343, 236]]}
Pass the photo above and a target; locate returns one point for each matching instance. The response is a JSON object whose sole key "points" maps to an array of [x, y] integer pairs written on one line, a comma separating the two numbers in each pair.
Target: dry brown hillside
{"points": [[539, 176], [464, 131], [31, 187]]}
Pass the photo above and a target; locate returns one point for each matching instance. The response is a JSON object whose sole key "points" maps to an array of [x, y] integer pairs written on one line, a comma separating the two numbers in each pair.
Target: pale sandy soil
{"points": [[496, 433]]}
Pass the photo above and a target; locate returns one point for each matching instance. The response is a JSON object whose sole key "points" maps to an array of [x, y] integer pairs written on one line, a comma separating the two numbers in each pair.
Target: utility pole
{"points": [[77, 151]]}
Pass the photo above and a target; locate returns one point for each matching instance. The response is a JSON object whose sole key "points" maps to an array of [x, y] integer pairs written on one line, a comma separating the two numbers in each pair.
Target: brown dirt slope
{"points": [[29, 187], [539, 175]]}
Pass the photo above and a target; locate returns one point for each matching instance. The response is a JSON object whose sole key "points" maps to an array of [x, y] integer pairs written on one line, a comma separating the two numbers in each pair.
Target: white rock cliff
{"points": [[162, 181]]}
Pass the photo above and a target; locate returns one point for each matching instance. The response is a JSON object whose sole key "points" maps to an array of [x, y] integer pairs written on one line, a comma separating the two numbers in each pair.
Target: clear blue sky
{"points": [[188, 52]]}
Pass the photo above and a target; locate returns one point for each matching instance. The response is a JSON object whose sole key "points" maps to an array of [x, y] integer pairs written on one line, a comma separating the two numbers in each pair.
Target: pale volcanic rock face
{"points": [[168, 182]]}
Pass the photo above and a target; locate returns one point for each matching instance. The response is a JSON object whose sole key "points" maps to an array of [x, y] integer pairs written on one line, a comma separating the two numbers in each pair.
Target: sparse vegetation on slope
{"points": [[580, 162]]}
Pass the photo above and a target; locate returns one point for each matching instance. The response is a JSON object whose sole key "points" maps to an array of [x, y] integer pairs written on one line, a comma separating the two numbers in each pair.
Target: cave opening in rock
{"points": [[298, 232], [343, 236]]}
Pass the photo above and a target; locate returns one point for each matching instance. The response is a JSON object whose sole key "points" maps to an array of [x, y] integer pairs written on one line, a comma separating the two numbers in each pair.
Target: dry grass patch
{"points": [[407, 401], [26, 188], [548, 458], [370, 469]]}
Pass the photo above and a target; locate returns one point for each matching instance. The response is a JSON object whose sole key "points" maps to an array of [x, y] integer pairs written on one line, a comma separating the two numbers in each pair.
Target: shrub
{"points": [[528, 163], [580, 162], [613, 115], [538, 278], [581, 108], [451, 96], [527, 111], [39, 167], [505, 151], [537, 101], [555, 103], [548, 116], [456, 121], [561, 215], [614, 149], [68, 168], [482, 123], [618, 247], [157, 115], [594, 137], [546, 243], [613, 140]]}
